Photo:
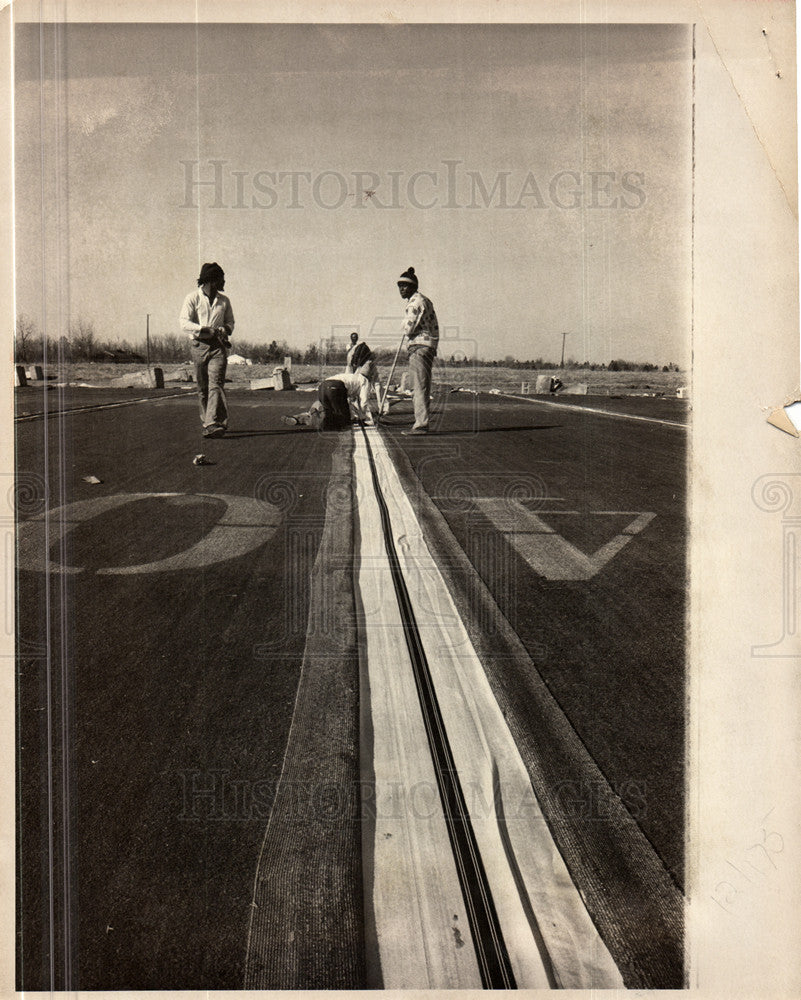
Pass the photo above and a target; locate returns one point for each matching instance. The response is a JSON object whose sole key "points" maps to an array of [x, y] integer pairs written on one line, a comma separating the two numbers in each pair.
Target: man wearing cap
{"points": [[208, 319], [422, 332]]}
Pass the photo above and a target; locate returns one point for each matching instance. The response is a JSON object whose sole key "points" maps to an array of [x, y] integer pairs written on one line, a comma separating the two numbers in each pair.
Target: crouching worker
{"points": [[363, 362], [338, 396]]}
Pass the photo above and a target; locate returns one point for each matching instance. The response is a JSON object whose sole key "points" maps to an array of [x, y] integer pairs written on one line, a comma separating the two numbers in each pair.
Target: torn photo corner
{"points": [[787, 417]]}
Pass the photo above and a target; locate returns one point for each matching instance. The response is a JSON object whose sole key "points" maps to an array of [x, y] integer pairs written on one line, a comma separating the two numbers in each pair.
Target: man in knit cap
{"points": [[422, 333], [208, 319]]}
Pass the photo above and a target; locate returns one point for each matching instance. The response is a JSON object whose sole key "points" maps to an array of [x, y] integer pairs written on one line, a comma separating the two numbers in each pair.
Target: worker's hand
{"points": [[205, 333]]}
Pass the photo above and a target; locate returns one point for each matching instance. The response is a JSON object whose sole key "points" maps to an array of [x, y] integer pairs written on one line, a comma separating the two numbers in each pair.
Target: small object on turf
{"points": [[291, 421], [200, 460], [92, 479]]}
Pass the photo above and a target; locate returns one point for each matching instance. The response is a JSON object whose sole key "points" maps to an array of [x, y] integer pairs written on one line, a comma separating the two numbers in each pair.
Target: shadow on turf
{"points": [[269, 433]]}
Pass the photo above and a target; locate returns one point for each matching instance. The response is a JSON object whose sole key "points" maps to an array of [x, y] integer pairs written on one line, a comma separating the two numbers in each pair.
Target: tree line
{"points": [[83, 344], [616, 365]]}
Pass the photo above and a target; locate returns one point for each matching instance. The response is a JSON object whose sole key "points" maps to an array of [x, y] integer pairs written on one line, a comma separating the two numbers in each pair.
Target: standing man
{"points": [[354, 340], [208, 319], [422, 331]]}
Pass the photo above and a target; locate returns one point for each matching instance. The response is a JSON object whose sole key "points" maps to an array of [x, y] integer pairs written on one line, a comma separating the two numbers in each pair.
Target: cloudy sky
{"points": [[537, 178]]}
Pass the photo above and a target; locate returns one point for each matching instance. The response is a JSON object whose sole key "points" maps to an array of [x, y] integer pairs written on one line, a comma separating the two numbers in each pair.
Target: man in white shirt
{"points": [[362, 359], [208, 319], [337, 395], [354, 340], [422, 332]]}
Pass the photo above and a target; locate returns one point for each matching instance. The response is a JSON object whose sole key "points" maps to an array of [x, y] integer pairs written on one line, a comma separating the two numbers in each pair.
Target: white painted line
{"points": [[547, 552], [549, 935], [97, 406], [424, 940], [600, 413]]}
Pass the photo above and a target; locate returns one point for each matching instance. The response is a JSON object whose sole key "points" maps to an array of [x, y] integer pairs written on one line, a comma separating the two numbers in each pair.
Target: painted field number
{"points": [[548, 553], [246, 524]]}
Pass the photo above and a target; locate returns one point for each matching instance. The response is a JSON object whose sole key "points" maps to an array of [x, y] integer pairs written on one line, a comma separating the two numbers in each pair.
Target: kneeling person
{"points": [[336, 395]]}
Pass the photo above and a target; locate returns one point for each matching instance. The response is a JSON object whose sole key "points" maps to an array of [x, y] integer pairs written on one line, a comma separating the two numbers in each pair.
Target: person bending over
{"points": [[339, 396]]}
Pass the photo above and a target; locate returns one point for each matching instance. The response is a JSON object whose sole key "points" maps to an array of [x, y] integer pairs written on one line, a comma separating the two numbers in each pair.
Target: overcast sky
{"points": [[537, 178]]}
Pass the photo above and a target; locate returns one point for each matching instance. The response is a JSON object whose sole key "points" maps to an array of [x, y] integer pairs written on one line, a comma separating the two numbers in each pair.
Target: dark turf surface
{"points": [[611, 649], [41, 397], [159, 684], [655, 407], [164, 682]]}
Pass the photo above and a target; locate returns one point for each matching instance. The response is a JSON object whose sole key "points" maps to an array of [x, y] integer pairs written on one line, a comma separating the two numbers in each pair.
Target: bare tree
{"points": [[83, 339], [173, 347], [27, 335]]}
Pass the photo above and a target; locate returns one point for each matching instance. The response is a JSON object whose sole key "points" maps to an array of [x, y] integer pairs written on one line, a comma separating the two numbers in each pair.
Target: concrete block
{"points": [[35, 373], [577, 389], [262, 383], [20, 378], [133, 380], [281, 379], [542, 385]]}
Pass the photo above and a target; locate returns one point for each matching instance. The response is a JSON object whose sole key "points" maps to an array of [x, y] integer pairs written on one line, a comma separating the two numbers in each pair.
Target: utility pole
{"points": [[563, 350], [147, 340]]}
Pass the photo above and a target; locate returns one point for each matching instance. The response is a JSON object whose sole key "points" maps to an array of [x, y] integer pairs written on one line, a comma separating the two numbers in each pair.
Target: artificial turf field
{"points": [[161, 647]]}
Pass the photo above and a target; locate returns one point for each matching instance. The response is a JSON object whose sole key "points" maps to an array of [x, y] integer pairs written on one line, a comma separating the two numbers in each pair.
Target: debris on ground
{"points": [[92, 479]]}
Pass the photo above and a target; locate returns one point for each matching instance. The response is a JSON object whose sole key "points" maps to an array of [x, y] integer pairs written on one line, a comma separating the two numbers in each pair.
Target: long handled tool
{"points": [[389, 379]]}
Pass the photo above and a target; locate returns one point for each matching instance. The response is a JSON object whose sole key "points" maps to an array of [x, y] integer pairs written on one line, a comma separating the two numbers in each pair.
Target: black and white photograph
{"points": [[389, 461]]}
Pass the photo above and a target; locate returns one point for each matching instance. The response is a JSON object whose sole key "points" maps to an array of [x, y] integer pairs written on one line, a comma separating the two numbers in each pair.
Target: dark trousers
{"points": [[334, 399]]}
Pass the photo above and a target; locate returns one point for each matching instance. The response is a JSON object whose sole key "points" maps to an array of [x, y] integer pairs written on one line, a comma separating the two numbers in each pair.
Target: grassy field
{"points": [[482, 378]]}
